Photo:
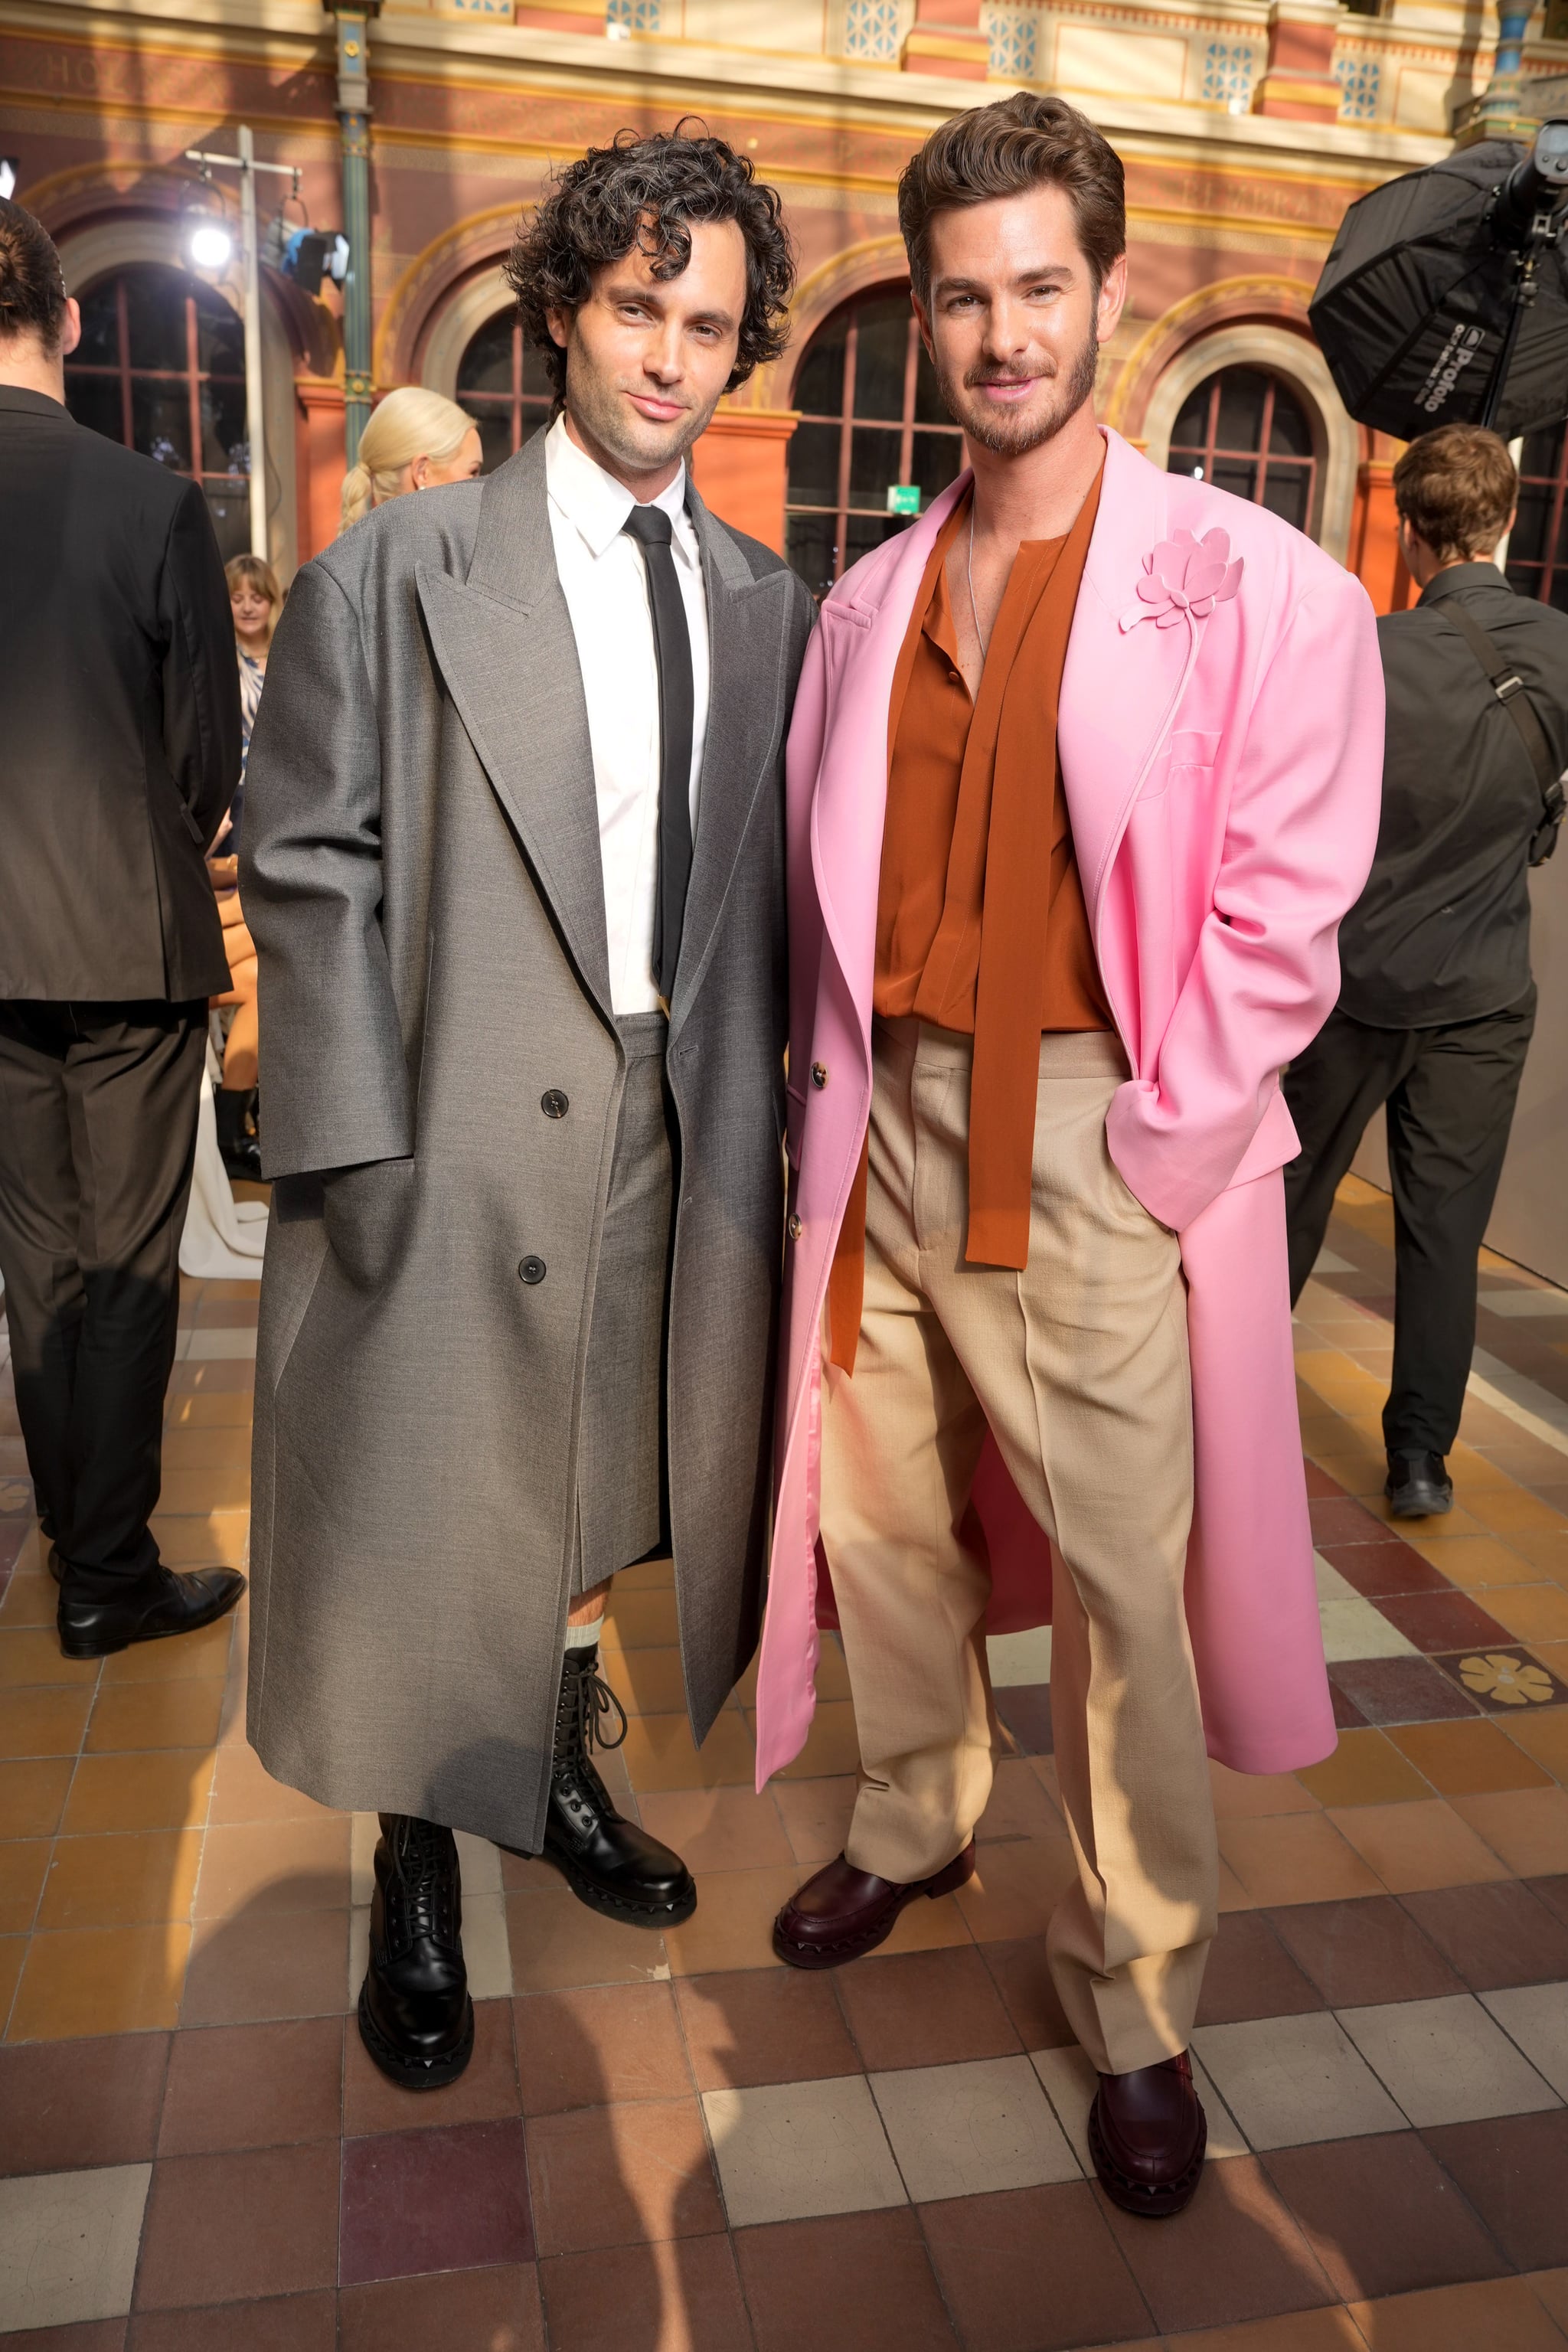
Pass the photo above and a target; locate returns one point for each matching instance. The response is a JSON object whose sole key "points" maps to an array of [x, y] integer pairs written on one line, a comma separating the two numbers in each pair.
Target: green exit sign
{"points": [[903, 498]]}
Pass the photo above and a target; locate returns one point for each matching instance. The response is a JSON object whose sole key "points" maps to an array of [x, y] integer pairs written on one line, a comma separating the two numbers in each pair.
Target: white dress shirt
{"points": [[605, 586]]}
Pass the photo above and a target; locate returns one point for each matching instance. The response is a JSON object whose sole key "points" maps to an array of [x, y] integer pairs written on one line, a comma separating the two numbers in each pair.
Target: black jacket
{"points": [[118, 716], [1441, 933]]}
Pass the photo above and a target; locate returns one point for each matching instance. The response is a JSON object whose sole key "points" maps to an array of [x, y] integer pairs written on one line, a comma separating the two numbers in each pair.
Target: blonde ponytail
{"points": [[409, 423]]}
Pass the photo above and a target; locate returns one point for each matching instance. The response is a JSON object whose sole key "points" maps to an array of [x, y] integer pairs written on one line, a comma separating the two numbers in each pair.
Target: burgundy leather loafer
{"points": [[842, 1912], [1147, 2132]]}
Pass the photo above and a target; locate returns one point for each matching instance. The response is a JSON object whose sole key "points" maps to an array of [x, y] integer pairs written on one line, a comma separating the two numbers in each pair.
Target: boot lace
{"points": [[420, 1882]]}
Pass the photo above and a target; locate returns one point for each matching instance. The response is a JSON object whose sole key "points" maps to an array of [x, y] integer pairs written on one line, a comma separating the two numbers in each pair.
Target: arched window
{"points": [[161, 367], [1246, 430], [1537, 544], [503, 384], [872, 424]]}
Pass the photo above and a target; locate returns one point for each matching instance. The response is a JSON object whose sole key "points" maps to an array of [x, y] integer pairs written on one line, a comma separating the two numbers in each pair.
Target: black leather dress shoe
{"points": [[608, 1862], [1147, 2133], [239, 1150], [1418, 1487], [158, 1606], [415, 2015]]}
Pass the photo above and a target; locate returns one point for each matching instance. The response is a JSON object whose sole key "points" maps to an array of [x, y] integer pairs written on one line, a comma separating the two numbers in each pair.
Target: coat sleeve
{"points": [[201, 675], [1301, 829], [333, 1073], [802, 761]]}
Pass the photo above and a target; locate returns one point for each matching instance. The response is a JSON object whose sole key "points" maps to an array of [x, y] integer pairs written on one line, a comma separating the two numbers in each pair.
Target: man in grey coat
{"points": [[513, 862]]}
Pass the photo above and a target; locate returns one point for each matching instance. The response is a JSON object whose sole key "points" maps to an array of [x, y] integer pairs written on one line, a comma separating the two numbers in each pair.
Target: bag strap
{"points": [[1509, 688]]}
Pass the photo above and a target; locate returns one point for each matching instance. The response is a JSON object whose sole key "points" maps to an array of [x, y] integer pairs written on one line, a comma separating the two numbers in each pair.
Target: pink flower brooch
{"points": [[1185, 578]]}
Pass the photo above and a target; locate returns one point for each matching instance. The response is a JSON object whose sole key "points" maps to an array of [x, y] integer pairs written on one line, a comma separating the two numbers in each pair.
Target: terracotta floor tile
{"points": [[99, 1980], [1467, 1759], [1032, 2270], [33, 1796], [1361, 1952], [238, 2086], [210, 1409], [717, 1829], [1365, 1769], [871, 2271], [651, 1682], [621, 2176], [831, 1745], [1237, 2253], [1019, 1971], [23, 1865], [733, 1925], [925, 2009], [194, 1657], [244, 1791], [244, 1971], [215, 1486], [1400, 1690], [1251, 1974], [73, 2103], [1300, 1859], [222, 2228], [1500, 2315], [212, 1539], [1245, 1796], [1443, 1620], [644, 1620], [493, 2310], [31, 1654], [1015, 1889], [1512, 2170], [1532, 1612], [446, 2199], [187, 1446], [262, 1867], [1417, 1845], [44, 1722], [1493, 1935], [1391, 1565], [486, 2092], [121, 1881], [1527, 1827], [31, 1595], [292, 2323], [13, 1952], [168, 1788], [1019, 1805], [1381, 2216], [816, 1815], [1025, 1710], [659, 1753], [763, 2026], [556, 1943], [1551, 2288], [684, 2292], [86, 2336], [1479, 1565], [1543, 1737], [154, 1714], [599, 2047]]}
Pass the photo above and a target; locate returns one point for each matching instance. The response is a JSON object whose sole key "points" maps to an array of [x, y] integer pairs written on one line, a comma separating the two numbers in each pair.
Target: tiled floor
{"points": [[677, 2145]]}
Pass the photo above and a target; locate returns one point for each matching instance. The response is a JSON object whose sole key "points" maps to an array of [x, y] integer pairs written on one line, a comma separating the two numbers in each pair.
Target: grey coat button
{"points": [[553, 1103], [819, 1074], [530, 1269], [795, 1229]]}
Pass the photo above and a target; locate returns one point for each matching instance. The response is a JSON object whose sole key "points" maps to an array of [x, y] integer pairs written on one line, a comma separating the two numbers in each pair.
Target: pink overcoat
{"points": [[1221, 741]]}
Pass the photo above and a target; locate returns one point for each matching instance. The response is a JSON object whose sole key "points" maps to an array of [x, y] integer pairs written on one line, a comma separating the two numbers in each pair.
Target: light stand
{"points": [[246, 165]]}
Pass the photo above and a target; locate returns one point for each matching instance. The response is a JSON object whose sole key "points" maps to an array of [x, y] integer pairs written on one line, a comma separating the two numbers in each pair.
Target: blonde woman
{"points": [[254, 600], [415, 440]]}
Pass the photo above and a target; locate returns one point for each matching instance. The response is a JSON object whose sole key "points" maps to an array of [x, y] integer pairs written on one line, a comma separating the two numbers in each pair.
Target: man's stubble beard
{"points": [[1007, 435], [597, 404]]}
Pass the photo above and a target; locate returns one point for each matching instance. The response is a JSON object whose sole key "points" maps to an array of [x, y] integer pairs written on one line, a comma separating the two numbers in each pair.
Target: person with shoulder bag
{"points": [[1436, 1003]]}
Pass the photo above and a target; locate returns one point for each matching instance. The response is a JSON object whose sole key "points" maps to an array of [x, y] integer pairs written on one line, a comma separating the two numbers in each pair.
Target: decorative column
{"points": [[1298, 83], [318, 466], [351, 19], [1500, 113], [947, 38]]}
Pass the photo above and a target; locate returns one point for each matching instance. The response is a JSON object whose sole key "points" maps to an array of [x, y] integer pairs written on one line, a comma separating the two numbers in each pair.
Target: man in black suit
{"points": [[119, 753]]}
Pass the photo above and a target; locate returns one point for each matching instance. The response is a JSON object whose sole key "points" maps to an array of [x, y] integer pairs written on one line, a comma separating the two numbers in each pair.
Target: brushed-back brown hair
{"points": [[1017, 143], [1455, 489]]}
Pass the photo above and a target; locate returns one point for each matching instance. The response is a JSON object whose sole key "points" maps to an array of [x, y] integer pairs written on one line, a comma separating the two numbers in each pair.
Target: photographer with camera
{"points": [[1436, 1003]]}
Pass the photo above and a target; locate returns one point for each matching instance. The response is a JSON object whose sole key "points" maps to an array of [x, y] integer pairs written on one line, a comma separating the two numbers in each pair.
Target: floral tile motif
{"points": [[1503, 1681]]}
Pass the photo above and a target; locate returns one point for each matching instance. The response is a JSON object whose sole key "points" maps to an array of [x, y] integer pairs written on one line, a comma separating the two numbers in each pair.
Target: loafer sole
{"points": [[658, 1913], [78, 1647], [411, 2073], [795, 1954], [1422, 1510], [1172, 2196]]}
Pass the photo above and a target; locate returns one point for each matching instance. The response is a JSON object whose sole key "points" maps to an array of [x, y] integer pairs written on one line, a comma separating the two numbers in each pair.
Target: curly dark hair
{"points": [[644, 190]]}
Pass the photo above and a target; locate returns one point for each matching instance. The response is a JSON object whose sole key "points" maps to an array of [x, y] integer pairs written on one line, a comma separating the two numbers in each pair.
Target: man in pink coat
{"points": [[1084, 773]]}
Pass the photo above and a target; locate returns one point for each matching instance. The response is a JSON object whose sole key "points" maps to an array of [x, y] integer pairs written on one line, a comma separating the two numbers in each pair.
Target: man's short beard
{"points": [[1009, 436]]}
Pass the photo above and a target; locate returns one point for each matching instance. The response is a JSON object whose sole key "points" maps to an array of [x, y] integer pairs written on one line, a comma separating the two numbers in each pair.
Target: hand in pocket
{"points": [[366, 1211]]}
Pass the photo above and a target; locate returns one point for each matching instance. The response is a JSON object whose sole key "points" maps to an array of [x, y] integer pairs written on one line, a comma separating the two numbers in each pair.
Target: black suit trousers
{"points": [[97, 1132], [1447, 1096]]}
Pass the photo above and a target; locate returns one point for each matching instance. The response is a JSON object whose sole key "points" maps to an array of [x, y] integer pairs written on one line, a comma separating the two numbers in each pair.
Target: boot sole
{"points": [[416, 2073], [1149, 2204], [78, 1649], [958, 1873], [616, 1906]]}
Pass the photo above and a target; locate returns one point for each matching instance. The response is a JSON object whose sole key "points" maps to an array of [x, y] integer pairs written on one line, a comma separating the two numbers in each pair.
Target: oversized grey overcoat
{"points": [[422, 877]]}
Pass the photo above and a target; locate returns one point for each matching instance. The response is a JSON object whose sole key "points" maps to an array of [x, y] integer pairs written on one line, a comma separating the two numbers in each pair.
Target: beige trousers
{"points": [[1079, 1366]]}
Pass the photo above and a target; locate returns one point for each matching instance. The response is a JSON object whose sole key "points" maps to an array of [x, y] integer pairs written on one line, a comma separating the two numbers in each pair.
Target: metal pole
{"points": [[254, 410], [353, 116]]}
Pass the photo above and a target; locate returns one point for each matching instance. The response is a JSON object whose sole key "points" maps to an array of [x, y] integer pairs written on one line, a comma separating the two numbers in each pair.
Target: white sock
{"points": [[583, 1637]]}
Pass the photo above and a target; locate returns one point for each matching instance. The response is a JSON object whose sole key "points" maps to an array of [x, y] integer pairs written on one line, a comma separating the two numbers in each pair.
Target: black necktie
{"points": [[650, 526]]}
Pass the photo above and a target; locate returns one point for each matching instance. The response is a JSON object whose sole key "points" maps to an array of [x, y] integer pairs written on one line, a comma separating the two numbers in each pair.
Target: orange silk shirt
{"points": [[981, 922]]}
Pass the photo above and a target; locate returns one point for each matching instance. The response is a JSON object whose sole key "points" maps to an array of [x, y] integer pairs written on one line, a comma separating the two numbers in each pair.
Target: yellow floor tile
{"points": [[1475, 1563], [213, 1539], [644, 1620], [216, 1410], [651, 1682], [205, 1448], [165, 1788], [99, 1980], [1295, 1858], [1495, 2315], [215, 1486], [1527, 1827], [123, 1881], [731, 1927], [718, 1828], [1513, 1510], [44, 1722], [1240, 1796], [1532, 1612], [1467, 1759], [290, 1865], [244, 1791], [24, 1866], [1473, 1474], [192, 1657], [1416, 1847], [31, 1654], [1365, 1769], [133, 1716], [33, 1796], [1543, 1737], [659, 1753]]}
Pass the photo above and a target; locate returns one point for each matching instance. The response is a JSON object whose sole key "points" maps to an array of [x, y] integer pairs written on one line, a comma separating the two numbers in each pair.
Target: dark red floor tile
{"points": [[1348, 1716], [1493, 1935], [926, 2008], [1362, 1952], [88, 2334], [1514, 2171], [486, 2092], [1399, 1690], [1444, 1620], [68, 2104], [1251, 1974], [856, 2281], [1382, 2216], [446, 2198], [292, 2323], [493, 2310], [1236, 2254], [1320, 1487], [763, 2026], [621, 2297], [1020, 1973], [235, 2086], [595, 2047], [1552, 1892], [223, 2228], [622, 2177], [1025, 1710], [1343, 1520], [1032, 2270], [1496, 1702], [1379, 1570]]}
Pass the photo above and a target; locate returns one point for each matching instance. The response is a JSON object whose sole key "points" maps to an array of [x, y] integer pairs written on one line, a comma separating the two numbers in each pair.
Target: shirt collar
{"points": [[597, 505], [1478, 575]]}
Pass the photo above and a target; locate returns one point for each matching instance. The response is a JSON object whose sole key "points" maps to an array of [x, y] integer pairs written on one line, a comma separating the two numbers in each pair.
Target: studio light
{"points": [[211, 245], [7, 175]]}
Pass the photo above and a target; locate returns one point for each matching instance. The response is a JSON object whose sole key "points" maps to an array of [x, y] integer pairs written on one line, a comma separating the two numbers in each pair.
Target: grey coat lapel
{"points": [[747, 639], [503, 639]]}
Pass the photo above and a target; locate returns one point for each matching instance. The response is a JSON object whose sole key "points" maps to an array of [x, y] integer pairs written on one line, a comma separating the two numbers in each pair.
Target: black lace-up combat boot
{"points": [[415, 2015], [608, 1862]]}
